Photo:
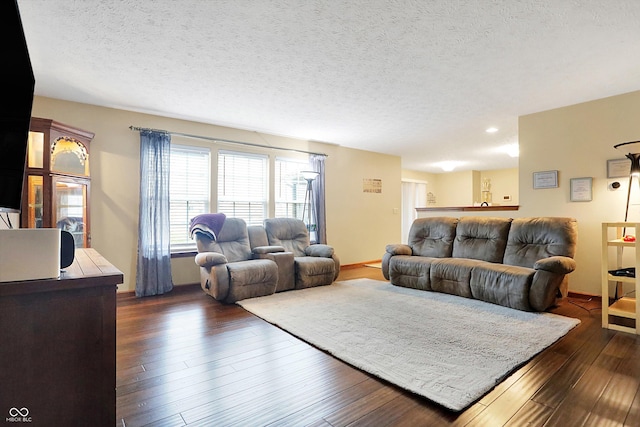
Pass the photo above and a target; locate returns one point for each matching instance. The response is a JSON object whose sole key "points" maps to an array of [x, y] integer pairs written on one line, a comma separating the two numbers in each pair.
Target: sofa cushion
{"points": [[232, 241], [257, 236], [453, 275], [481, 238], [432, 237], [531, 239], [292, 235], [314, 271], [254, 278], [410, 271], [319, 250], [502, 284]]}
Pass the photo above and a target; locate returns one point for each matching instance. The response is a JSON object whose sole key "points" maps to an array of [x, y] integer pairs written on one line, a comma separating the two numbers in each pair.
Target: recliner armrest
{"points": [[209, 259], [399, 249], [267, 249], [556, 264], [319, 250]]}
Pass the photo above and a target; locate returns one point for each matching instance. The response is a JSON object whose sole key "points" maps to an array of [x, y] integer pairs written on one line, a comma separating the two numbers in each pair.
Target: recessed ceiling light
{"points": [[492, 130]]}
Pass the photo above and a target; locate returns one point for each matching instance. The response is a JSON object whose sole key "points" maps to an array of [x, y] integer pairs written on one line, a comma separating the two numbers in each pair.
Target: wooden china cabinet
{"points": [[57, 180]]}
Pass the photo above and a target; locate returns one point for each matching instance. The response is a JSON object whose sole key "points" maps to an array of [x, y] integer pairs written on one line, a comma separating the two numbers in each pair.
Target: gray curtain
{"points": [[317, 163], [153, 274]]}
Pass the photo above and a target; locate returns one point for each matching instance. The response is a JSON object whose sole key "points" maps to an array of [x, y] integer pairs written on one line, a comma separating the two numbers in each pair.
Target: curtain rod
{"points": [[228, 141]]}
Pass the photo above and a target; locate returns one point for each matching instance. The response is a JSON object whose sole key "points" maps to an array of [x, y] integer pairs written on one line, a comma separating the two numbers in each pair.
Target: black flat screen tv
{"points": [[15, 108]]}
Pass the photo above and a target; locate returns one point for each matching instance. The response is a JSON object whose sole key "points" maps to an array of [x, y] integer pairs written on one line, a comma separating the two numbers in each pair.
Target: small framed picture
{"points": [[581, 189], [545, 179], [618, 168]]}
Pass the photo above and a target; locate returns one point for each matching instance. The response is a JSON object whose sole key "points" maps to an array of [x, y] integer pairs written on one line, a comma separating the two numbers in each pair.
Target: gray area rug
{"points": [[449, 349]]}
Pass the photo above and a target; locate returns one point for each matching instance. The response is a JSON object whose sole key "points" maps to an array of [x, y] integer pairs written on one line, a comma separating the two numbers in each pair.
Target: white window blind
{"points": [[290, 188], [242, 186], [189, 191]]}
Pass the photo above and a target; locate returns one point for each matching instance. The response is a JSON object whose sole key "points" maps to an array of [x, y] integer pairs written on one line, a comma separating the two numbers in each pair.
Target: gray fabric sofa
{"points": [[239, 261], [519, 263]]}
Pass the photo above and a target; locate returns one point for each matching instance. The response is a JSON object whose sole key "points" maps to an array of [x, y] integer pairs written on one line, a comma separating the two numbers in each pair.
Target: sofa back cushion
{"points": [[532, 239], [232, 241], [257, 236], [481, 238], [432, 237], [290, 233]]}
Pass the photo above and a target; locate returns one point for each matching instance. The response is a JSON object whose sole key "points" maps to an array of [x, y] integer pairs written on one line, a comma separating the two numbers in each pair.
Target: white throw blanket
{"points": [[449, 349]]}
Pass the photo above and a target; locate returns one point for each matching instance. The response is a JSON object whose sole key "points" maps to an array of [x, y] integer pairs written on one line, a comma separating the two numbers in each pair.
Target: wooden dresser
{"points": [[58, 346]]}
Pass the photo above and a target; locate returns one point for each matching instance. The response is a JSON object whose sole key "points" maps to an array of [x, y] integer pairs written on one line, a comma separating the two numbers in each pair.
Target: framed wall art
{"points": [[372, 185], [618, 168], [545, 179], [581, 189]]}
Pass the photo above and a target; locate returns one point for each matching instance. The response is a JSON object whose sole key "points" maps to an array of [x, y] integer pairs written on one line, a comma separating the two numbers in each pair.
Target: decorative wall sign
{"points": [[431, 199], [372, 185], [581, 189], [545, 179], [618, 168]]}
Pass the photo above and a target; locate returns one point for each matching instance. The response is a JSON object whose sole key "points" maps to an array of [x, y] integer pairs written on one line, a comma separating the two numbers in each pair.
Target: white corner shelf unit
{"points": [[622, 313]]}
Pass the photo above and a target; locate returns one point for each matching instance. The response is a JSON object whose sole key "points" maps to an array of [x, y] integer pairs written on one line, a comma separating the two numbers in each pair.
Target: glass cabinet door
{"points": [[35, 201], [35, 151], [70, 198]]}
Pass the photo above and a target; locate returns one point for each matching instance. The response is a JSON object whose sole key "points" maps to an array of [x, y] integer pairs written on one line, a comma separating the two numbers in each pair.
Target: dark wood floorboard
{"points": [[185, 359]]}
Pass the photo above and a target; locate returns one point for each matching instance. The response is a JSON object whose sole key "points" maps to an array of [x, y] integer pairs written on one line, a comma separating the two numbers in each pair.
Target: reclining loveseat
{"points": [[519, 263], [238, 262]]}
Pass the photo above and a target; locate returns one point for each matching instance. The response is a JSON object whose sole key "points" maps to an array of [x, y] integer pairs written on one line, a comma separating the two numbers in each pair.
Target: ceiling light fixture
{"points": [[492, 130], [448, 166], [513, 150]]}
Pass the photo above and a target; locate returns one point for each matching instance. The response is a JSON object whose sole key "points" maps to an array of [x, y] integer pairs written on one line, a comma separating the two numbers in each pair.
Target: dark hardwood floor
{"points": [[185, 359]]}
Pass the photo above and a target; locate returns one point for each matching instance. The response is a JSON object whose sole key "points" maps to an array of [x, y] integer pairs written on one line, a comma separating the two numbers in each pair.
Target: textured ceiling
{"points": [[415, 78]]}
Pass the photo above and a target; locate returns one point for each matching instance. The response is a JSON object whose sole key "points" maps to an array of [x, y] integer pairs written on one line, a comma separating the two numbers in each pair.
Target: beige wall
{"points": [[504, 182], [455, 188], [429, 179], [577, 141], [466, 185], [418, 176], [359, 224]]}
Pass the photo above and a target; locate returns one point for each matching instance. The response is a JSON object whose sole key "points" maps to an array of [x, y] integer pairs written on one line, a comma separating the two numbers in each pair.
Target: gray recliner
{"points": [[314, 265], [228, 271]]}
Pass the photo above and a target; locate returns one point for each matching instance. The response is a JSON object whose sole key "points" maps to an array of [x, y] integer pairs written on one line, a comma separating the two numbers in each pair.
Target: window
{"points": [[242, 186], [188, 192], [290, 188]]}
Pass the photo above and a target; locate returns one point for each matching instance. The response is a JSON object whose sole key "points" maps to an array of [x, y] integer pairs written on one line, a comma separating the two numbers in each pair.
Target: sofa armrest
{"points": [[391, 251], [267, 249], [209, 259], [320, 250], [286, 267], [556, 264], [399, 249]]}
